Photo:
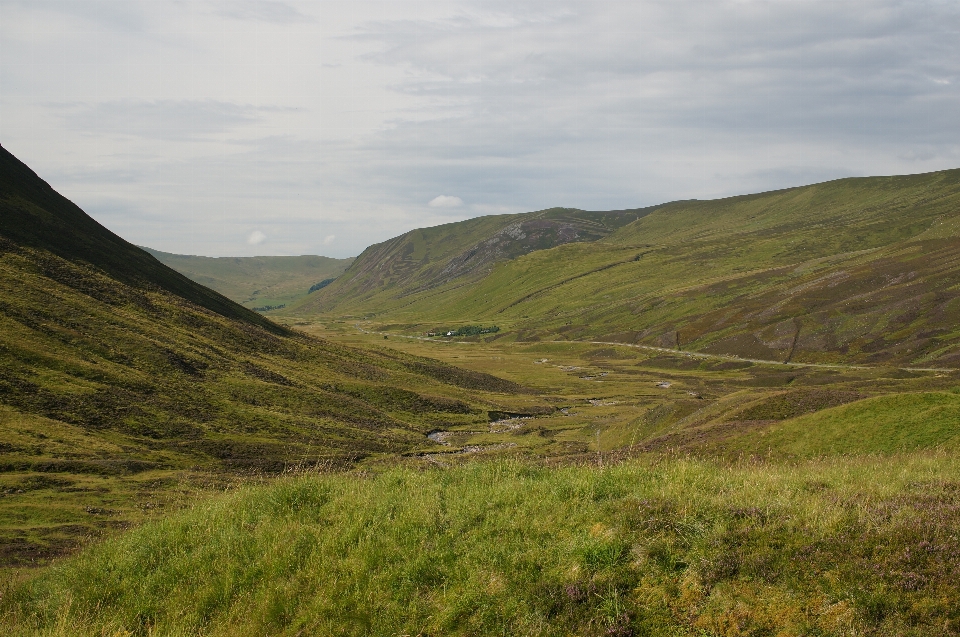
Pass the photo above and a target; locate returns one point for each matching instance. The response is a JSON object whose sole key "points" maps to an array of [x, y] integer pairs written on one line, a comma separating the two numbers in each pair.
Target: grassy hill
{"points": [[854, 270], [256, 282], [120, 378], [429, 261], [881, 425]]}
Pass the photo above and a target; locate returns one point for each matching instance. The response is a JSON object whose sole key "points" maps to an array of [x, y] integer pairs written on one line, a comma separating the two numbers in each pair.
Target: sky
{"points": [[251, 127]]}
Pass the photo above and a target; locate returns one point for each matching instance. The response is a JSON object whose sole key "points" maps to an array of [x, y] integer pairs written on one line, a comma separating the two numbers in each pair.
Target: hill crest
{"points": [[32, 214]]}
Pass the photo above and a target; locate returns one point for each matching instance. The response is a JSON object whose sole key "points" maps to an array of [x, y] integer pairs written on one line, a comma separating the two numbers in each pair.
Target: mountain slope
{"points": [[32, 214], [855, 270], [256, 281], [455, 254], [117, 373]]}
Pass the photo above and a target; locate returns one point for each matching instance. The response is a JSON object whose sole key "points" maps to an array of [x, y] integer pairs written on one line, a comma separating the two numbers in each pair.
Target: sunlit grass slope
{"points": [[885, 424], [861, 546], [257, 281], [854, 270]]}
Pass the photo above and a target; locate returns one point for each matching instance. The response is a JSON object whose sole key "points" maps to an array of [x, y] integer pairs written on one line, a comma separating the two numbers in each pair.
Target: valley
{"points": [[623, 400], [124, 387], [731, 417]]}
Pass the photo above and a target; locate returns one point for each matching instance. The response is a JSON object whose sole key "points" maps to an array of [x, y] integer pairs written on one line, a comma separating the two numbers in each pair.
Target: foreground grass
{"points": [[834, 547]]}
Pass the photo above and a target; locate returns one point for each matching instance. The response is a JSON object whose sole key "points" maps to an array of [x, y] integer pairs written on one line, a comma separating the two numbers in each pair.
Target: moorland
{"points": [[730, 417]]}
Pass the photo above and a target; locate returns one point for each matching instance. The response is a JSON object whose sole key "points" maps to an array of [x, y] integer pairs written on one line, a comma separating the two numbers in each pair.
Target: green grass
{"points": [[885, 424], [682, 547], [256, 281]]}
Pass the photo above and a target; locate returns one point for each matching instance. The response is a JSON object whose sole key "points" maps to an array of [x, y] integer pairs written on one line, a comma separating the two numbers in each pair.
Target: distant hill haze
{"points": [[257, 282], [853, 270]]}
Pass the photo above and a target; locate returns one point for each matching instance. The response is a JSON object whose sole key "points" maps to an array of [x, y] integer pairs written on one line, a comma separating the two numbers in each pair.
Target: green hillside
{"points": [[256, 282], [430, 261], [120, 378], [854, 270]]}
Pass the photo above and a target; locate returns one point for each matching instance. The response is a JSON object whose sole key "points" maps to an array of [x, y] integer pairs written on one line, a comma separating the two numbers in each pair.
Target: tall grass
{"points": [[650, 547]]}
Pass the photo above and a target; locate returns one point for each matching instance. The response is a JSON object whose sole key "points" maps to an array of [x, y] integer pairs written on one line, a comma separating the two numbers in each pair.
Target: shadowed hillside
{"points": [[34, 215]]}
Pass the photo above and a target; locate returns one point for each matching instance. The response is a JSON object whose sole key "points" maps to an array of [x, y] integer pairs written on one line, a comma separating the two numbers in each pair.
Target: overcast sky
{"points": [[232, 128]]}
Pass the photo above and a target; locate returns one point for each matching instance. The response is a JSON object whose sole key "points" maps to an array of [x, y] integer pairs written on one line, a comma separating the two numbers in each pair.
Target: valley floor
{"points": [[621, 399], [630, 491]]}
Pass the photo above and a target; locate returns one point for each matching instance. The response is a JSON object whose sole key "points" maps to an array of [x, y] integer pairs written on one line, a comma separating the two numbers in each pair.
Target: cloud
{"points": [[123, 15], [162, 119], [444, 201], [186, 123], [256, 238], [692, 100], [261, 10], [330, 238]]}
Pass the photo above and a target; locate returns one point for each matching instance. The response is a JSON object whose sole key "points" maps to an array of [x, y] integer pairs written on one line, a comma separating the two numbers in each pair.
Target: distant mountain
{"points": [[852, 270], [430, 260], [257, 282]]}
